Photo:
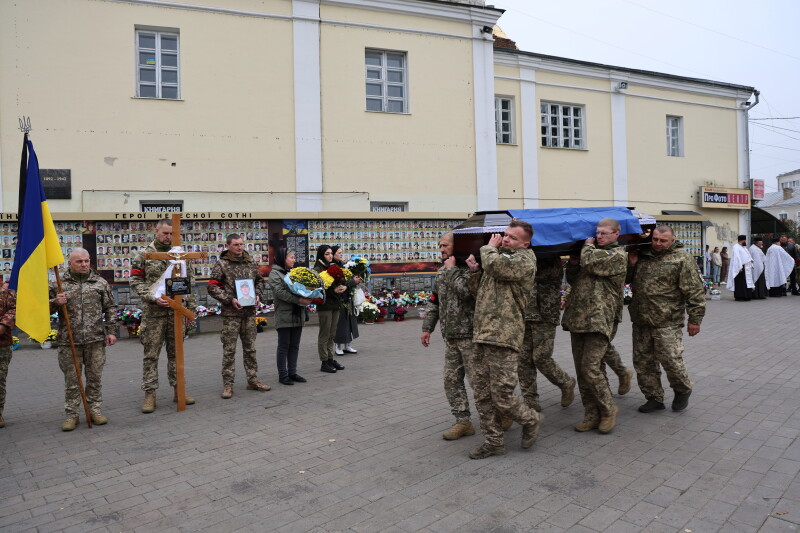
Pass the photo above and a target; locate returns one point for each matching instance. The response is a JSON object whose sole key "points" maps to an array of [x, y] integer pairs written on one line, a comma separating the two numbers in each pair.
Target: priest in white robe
{"points": [[777, 267], [740, 272], [757, 253]]}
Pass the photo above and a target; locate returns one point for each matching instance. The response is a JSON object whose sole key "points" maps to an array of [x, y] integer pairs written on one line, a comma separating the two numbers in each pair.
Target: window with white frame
{"points": [[563, 125], [674, 136], [158, 65], [504, 119], [783, 216], [387, 84]]}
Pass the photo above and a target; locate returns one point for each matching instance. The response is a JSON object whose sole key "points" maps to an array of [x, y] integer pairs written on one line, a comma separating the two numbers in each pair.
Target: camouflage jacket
{"points": [[504, 287], [222, 285], [87, 301], [288, 311], [545, 303], [452, 304], [8, 315], [144, 274], [594, 304], [664, 285]]}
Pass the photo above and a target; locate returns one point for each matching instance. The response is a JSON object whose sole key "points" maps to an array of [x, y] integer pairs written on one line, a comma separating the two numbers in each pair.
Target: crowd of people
{"points": [[235, 282], [498, 317], [498, 314], [755, 273]]}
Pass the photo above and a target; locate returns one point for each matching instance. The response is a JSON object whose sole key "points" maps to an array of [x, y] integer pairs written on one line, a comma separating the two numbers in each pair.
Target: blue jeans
{"points": [[288, 349], [715, 272]]}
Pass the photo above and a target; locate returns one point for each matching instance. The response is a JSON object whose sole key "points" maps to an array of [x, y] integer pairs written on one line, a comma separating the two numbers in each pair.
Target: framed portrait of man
{"points": [[245, 292]]}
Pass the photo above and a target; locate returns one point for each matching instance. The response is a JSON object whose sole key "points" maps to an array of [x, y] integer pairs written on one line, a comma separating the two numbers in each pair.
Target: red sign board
{"points": [[758, 189]]}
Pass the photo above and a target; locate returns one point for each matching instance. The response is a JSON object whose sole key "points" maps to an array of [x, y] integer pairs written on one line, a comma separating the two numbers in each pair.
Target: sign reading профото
{"points": [[724, 198]]}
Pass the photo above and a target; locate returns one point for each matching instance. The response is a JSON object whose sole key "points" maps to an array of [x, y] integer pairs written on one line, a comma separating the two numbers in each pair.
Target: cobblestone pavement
{"points": [[361, 450]]}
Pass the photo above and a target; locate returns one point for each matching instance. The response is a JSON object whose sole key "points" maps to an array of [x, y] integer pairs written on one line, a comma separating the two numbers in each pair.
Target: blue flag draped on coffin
{"points": [[38, 250], [563, 225]]}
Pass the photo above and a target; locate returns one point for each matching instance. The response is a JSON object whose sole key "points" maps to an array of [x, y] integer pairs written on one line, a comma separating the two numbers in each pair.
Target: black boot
{"points": [[326, 367], [286, 380], [650, 406], [680, 401], [335, 364], [298, 378]]}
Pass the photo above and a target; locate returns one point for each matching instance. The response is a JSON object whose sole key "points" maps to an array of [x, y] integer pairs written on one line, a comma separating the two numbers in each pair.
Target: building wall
{"points": [[239, 138]]}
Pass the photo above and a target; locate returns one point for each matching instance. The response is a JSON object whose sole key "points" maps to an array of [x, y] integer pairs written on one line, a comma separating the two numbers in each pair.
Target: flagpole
{"points": [[74, 352]]}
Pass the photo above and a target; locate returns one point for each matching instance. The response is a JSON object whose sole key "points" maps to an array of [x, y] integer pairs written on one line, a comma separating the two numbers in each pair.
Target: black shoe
{"points": [[327, 368], [335, 364], [298, 378], [651, 406], [680, 401], [286, 380]]}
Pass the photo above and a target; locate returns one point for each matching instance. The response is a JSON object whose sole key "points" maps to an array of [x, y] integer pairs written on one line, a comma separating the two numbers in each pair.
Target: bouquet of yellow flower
{"points": [[51, 337], [327, 279], [348, 274], [306, 283], [306, 277]]}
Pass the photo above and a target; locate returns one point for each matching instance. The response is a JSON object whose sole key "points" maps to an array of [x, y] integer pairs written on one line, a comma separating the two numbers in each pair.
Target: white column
{"points": [[485, 139], [619, 145], [743, 163], [529, 130], [307, 106]]}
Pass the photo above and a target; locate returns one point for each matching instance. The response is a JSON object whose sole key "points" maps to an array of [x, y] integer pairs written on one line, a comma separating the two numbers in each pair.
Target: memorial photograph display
{"points": [[118, 242], [389, 245], [690, 234]]}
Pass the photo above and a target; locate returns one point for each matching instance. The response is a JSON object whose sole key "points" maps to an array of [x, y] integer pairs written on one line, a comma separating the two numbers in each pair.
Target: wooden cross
{"points": [[176, 304]]}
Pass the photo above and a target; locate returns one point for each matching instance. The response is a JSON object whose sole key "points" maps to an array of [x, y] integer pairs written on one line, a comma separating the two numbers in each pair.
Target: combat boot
{"points": [[505, 423], [458, 431], [487, 451], [625, 383], [650, 406], [2, 422], [530, 432], [567, 394], [70, 423], [149, 404], [607, 423], [589, 423], [189, 399], [680, 401], [98, 418]]}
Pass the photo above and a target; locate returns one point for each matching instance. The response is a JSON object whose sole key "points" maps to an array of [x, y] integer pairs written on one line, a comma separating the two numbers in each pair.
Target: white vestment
{"points": [[740, 258], [778, 266], [758, 261]]}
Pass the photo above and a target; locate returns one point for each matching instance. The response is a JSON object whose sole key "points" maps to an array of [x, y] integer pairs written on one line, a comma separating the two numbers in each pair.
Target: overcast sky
{"points": [[748, 43]]}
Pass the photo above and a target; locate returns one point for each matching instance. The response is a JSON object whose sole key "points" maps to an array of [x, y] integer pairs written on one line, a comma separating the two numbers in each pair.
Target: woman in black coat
{"points": [[328, 314], [347, 329]]}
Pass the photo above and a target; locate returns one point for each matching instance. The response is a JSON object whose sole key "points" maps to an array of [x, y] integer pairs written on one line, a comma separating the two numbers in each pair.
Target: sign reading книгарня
{"points": [[724, 198]]}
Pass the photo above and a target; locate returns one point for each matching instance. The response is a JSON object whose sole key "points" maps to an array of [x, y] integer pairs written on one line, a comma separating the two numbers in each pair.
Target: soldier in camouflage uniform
{"points": [[238, 321], [591, 315], [504, 286], [93, 319], [453, 305], [666, 286], [157, 326], [8, 315], [541, 319]]}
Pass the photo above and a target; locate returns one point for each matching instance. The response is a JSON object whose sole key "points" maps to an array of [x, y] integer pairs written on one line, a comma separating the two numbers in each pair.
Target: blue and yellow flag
{"points": [[38, 250]]}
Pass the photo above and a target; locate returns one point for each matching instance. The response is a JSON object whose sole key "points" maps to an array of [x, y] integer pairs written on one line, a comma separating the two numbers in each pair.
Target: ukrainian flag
{"points": [[38, 250]]}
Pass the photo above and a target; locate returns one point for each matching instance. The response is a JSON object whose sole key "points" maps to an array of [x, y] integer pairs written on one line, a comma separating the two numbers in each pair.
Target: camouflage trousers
{"points": [[537, 353], [456, 358], [493, 375], [614, 360], [233, 328], [588, 351], [5, 360], [91, 358], [659, 346], [154, 333]]}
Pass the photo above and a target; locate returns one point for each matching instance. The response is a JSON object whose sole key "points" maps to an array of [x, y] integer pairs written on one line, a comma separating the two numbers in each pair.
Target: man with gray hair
{"points": [[666, 286], [88, 299]]}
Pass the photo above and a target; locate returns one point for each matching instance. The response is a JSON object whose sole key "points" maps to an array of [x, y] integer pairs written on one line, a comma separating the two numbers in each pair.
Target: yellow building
{"points": [[347, 106]]}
